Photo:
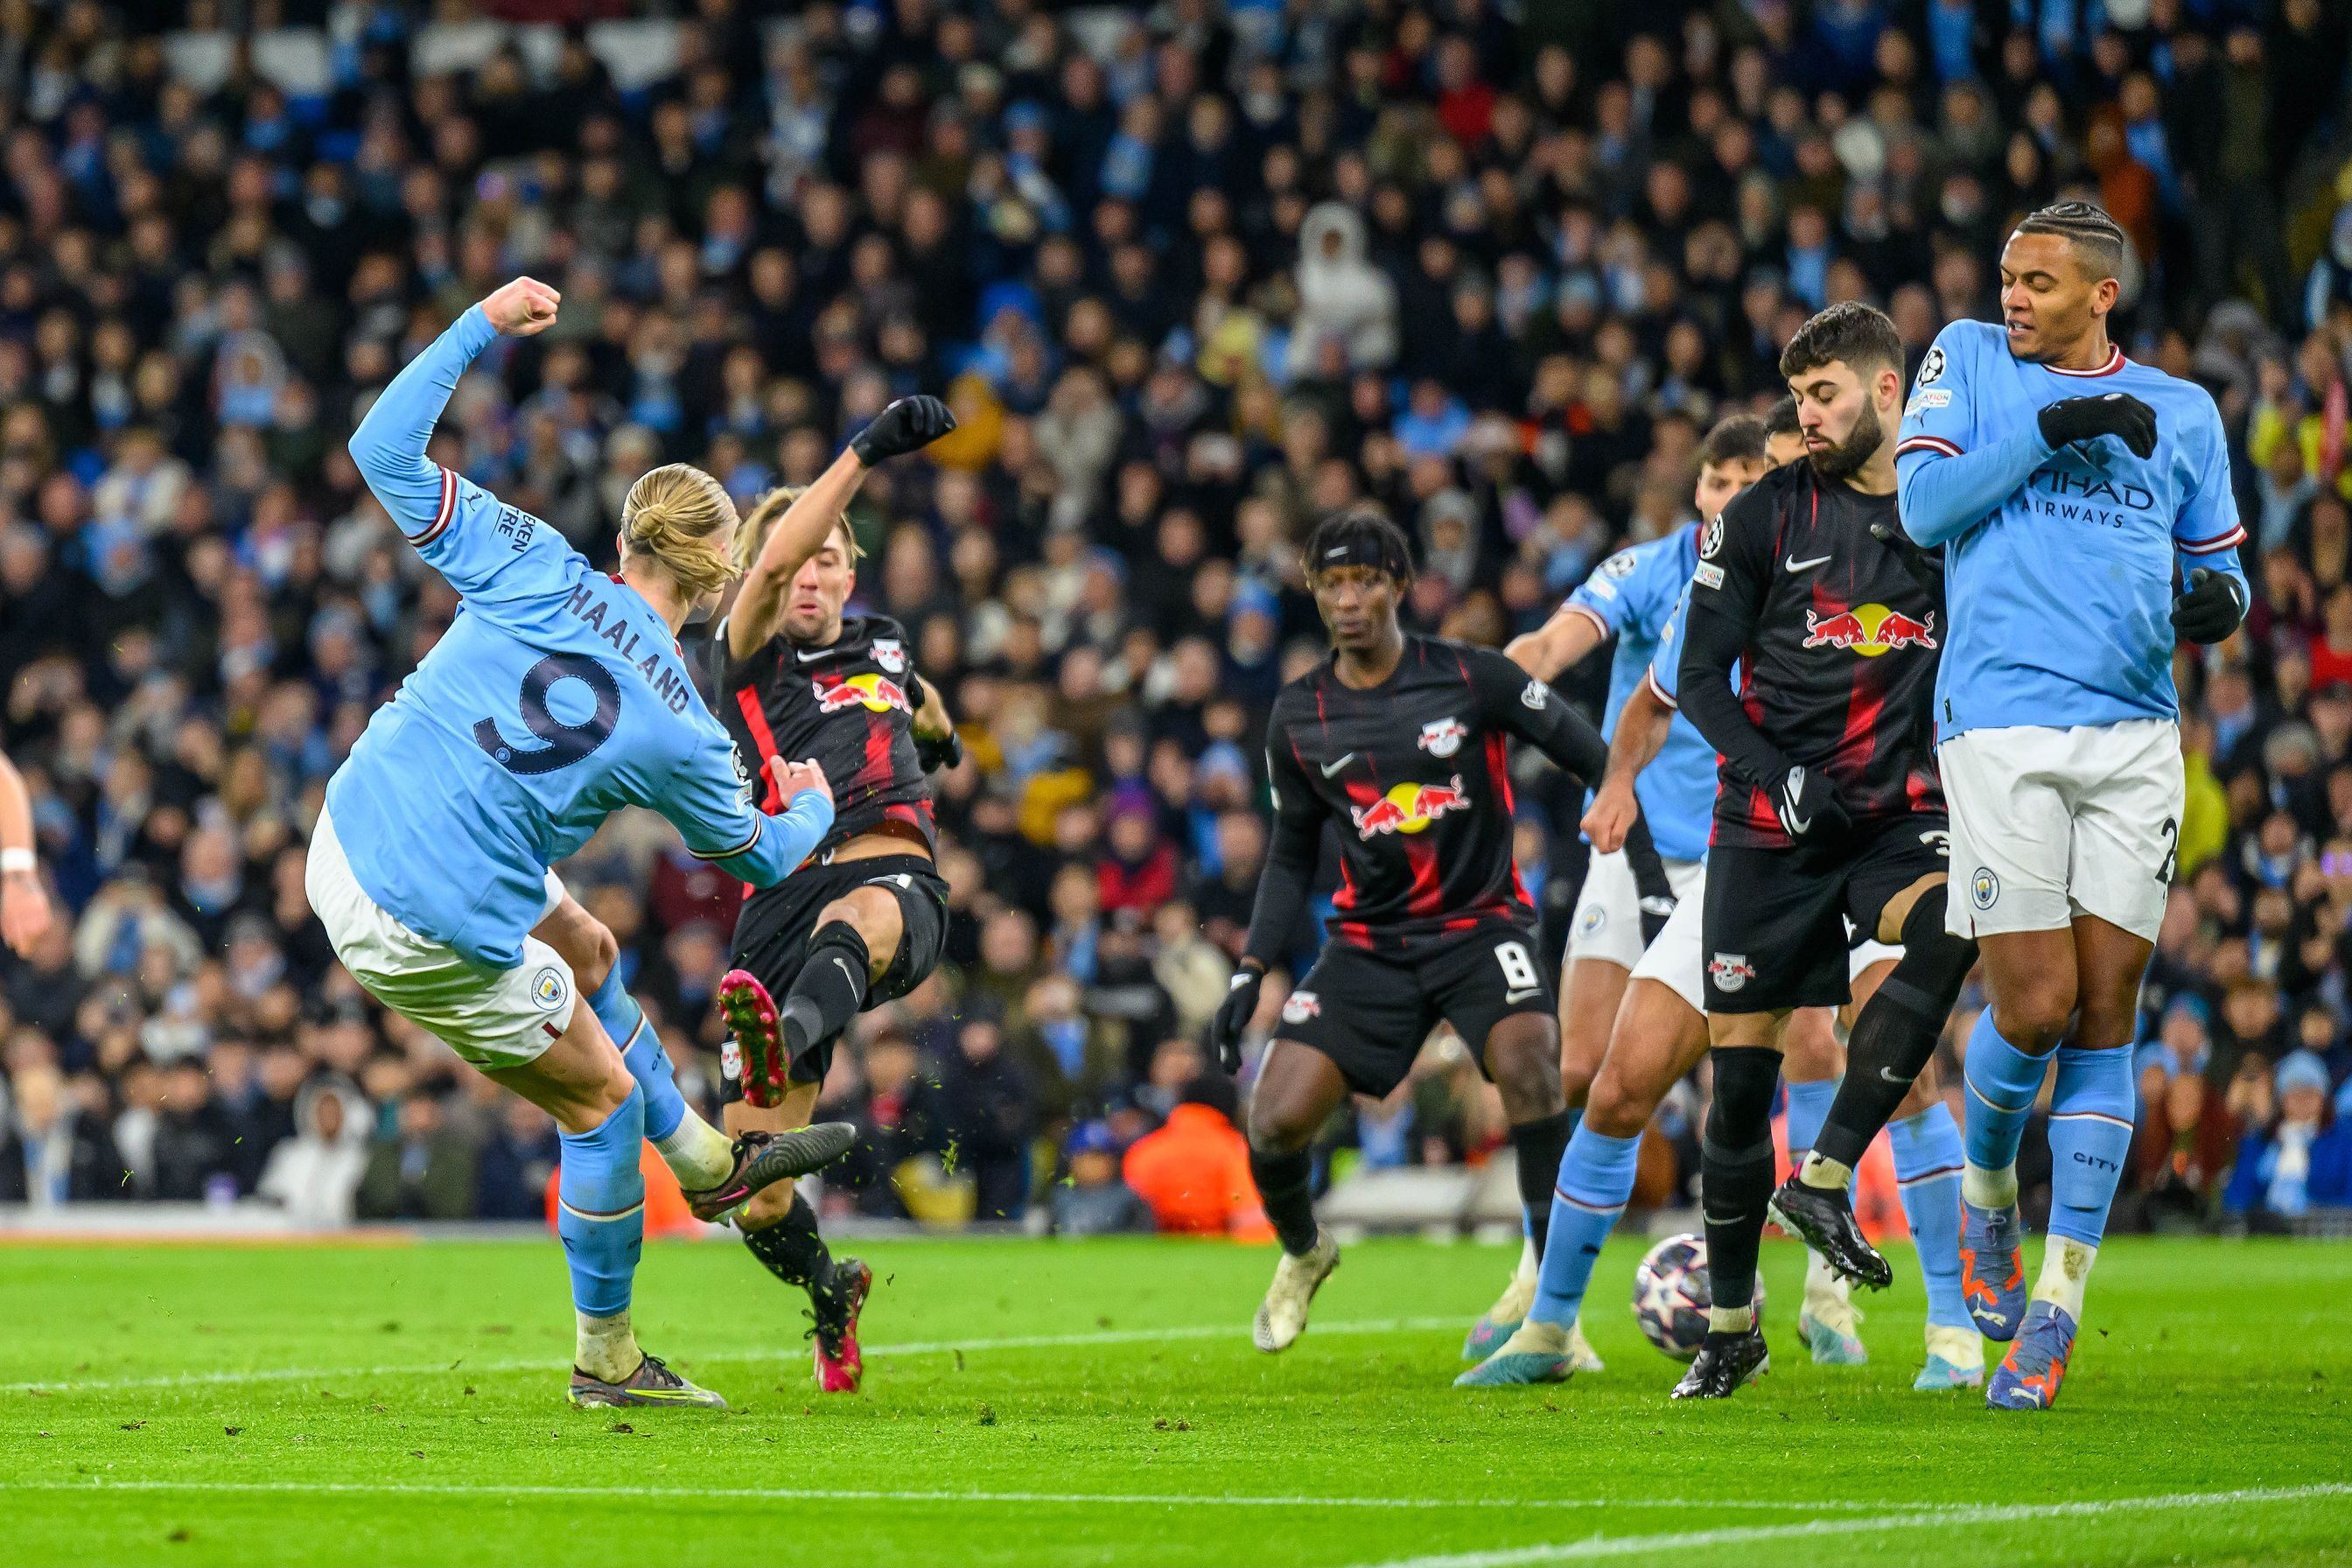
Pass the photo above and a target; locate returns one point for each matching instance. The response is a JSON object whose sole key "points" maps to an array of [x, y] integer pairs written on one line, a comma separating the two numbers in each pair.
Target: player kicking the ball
{"points": [[1829, 818], [2067, 481], [1660, 1035], [864, 923], [557, 696], [1399, 742]]}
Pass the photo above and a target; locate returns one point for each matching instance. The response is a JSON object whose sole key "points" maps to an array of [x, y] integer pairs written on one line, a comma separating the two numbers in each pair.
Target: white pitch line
{"points": [[831, 1494], [1939, 1518], [1239, 1334]]}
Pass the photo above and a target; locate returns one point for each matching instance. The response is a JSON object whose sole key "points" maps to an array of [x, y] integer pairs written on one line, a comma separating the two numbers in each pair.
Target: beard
{"points": [[1845, 459]]}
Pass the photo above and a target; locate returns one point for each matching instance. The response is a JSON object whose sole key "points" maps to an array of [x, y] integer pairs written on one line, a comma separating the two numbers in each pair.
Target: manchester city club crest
{"points": [[547, 989]]}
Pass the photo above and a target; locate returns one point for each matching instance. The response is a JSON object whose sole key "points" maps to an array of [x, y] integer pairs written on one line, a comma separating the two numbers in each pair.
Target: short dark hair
{"points": [[1782, 420], [2097, 240], [1739, 438], [1861, 335], [1360, 535]]}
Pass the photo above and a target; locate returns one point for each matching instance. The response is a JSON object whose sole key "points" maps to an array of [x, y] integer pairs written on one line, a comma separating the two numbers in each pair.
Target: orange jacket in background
{"points": [[1194, 1174], [666, 1210]]}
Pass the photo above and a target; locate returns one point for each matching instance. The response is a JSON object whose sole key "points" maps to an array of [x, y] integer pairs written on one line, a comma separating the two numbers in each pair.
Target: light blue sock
{"points": [[2090, 1139], [1809, 1107], [1596, 1178], [600, 1208], [1527, 1220], [641, 1049], [1927, 1162], [2002, 1082]]}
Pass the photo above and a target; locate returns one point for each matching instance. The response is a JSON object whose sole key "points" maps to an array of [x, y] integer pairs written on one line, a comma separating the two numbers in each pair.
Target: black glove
{"points": [[1927, 567], [943, 751], [2212, 608], [1655, 912], [2117, 414], [1808, 805], [907, 425], [1231, 1022]]}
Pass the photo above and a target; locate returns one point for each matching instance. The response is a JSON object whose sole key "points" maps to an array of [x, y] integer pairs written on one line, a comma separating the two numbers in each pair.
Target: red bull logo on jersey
{"points": [[875, 693], [1409, 807], [1869, 630]]}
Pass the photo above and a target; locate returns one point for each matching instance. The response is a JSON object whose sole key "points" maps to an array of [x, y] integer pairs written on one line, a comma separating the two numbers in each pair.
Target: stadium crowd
{"points": [[1190, 279]]}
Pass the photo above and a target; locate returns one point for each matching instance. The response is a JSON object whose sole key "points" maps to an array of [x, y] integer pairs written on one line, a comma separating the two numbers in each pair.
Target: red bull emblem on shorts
{"points": [[1870, 630]]}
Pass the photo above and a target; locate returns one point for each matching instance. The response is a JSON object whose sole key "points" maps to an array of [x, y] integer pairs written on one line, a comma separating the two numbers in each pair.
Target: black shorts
{"points": [[1776, 928], [772, 947], [1370, 1012]]}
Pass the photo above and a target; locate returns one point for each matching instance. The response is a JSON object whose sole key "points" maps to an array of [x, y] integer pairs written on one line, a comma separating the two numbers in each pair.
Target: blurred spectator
{"points": [[1193, 1171], [2297, 1155], [421, 1169], [1092, 1199], [314, 1175]]}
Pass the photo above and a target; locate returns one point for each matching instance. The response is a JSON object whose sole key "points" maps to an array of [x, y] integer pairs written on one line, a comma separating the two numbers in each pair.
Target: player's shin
{"points": [[1891, 1041], [2002, 1082], [2090, 1137], [829, 989], [1285, 1183], [1539, 1144], [601, 1215], [1596, 1179], [1736, 1165], [790, 1248], [698, 1154], [1927, 1177]]}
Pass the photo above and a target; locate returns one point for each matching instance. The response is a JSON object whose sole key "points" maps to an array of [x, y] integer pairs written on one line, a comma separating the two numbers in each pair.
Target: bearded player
{"points": [[1400, 743], [863, 920], [2070, 485], [1659, 1034]]}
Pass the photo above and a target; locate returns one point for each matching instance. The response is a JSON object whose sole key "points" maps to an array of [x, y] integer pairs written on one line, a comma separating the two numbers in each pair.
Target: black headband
{"points": [[1368, 548]]}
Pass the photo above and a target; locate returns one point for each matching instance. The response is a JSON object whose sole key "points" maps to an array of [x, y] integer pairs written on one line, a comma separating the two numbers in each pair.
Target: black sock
{"points": [[791, 1249], [1283, 1183], [829, 989], [1898, 1031], [1890, 1042], [1736, 1167], [1540, 1145]]}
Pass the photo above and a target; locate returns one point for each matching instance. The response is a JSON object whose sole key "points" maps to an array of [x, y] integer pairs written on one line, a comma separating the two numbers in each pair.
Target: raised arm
{"points": [[907, 425], [1562, 642]]}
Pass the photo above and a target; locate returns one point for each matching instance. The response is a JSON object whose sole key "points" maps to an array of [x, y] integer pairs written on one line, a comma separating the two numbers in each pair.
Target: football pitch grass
{"points": [[1039, 1403]]}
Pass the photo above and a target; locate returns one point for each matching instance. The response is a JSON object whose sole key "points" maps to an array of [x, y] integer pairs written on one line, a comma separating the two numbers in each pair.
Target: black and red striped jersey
{"points": [[1411, 775], [1836, 634], [850, 706]]}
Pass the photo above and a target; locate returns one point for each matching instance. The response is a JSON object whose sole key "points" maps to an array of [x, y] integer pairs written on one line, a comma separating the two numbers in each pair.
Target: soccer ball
{"points": [[1671, 1296]]}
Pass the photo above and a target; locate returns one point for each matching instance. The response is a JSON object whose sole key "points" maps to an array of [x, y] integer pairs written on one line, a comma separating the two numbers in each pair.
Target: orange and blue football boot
{"points": [[1992, 1269], [2029, 1375]]}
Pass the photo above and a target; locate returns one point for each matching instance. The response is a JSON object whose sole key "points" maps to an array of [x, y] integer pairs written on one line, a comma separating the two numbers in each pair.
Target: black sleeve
{"points": [[1291, 850], [1727, 597], [1512, 701]]}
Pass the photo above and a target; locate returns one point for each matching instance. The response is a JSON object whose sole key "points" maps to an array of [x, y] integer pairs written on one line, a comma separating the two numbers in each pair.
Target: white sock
{"points": [[1820, 1279], [2066, 1270], [1528, 1259], [606, 1347], [1831, 1176], [1730, 1320], [1988, 1189], [698, 1155]]}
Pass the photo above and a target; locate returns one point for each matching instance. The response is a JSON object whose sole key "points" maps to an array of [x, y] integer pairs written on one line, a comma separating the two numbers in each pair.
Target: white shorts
{"points": [[1608, 920], [492, 1017], [1677, 960], [2049, 824]]}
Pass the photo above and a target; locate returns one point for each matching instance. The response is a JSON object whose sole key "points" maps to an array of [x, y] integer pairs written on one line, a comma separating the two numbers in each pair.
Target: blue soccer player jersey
{"points": [[1632, 597], [556, 697], [2061, 570]]}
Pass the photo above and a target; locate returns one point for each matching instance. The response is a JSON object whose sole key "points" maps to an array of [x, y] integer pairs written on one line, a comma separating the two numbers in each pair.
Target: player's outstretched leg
{"points": [[1928, 1161], [2091, 1111], [601, 1215], [2002, 1082], [1828, 1318]]}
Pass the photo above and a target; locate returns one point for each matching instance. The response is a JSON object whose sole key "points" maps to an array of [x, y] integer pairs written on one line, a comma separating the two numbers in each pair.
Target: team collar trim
{"points": [[2116, 362]]}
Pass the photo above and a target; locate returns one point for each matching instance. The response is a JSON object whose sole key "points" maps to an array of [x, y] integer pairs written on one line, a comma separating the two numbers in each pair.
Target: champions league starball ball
{"points": [[1671, 1296]]}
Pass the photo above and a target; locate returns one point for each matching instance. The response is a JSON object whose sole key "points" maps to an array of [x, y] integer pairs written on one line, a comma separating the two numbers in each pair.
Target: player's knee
{"points": [[604, 952], [1744, 1078], [1616, 1109], [2033, 1015]]}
